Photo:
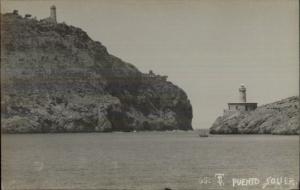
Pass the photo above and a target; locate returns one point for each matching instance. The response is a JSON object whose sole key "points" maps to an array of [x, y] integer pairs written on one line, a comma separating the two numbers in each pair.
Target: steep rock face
{"points": [[56, 79], [281, 117]]}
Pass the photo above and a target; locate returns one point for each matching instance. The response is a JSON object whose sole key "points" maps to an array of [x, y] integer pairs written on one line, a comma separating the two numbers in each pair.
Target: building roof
{"points": [[242, 103]]}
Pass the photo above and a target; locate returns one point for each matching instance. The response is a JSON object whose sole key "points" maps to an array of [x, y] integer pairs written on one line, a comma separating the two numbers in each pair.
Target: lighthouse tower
{"points": [[53, 13], [242, 91], [242, 105]]}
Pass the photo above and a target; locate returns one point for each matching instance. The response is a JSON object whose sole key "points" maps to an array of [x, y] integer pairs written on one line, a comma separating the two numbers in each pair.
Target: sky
{"points": [[206, 47]]}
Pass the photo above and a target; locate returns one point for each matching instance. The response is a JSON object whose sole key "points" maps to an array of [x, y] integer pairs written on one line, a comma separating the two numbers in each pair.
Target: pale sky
{"points": [[207, 47]]}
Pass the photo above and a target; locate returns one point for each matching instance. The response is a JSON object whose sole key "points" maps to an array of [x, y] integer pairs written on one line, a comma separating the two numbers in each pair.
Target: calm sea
{"points": [[149, 160]]}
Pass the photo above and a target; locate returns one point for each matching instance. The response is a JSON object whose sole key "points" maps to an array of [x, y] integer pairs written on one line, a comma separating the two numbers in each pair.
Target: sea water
{"points": [[149, 161]]}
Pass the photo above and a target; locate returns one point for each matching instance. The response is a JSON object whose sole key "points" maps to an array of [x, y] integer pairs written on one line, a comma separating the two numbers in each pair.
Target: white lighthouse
{"points": [[242, 91], [242, 105]]}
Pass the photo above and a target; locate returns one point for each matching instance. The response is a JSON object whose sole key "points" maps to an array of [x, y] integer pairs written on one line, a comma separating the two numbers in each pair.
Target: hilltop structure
{"points": [[242, 105], [152, 77], [52, 18], [53, 13]]}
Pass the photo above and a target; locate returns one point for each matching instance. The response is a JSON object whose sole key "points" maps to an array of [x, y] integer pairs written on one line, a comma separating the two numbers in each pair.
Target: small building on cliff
{"points": [[152, 77], [242, 105]]}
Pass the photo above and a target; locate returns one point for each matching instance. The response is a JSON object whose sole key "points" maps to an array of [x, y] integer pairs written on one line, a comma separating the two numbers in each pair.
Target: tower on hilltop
{"points": [[53, 13]]}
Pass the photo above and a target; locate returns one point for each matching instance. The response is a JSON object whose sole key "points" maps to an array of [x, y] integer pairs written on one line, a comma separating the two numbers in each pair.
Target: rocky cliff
{"points": [[54, 78], [281, 117]]}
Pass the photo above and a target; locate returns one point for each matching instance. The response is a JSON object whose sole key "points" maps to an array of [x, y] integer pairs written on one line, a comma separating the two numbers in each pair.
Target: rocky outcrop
{"points": [[56, 79], [281, 117]]}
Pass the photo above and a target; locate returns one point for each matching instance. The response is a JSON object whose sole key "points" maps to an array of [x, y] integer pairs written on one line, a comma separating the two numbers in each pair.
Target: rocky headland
{"points": [[55, 78], [281, 117]]}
